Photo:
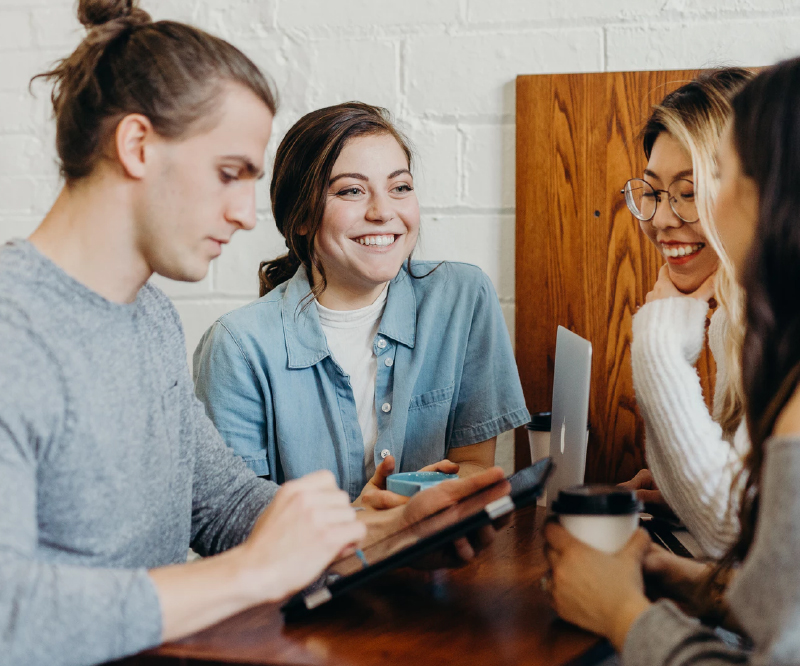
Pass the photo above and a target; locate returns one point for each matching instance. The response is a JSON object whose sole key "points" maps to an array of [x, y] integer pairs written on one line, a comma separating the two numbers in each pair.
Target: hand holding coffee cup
{"points": [[603, 517]]}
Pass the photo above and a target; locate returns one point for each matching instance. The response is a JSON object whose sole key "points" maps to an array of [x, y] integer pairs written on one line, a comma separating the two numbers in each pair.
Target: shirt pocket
{"points": [[426, 429], [432, 398]]}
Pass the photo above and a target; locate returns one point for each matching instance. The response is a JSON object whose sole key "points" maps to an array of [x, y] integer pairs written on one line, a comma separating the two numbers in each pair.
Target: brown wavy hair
{"points": [[303, 166], [766, 137], [169, 72]]}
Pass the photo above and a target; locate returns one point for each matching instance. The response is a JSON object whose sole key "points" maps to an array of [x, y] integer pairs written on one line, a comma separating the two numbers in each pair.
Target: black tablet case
{"points": [[526, 486]]}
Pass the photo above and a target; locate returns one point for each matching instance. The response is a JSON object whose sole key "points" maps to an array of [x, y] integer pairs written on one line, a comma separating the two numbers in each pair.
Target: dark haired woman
{"points": [[758, 218], [358, 359]]}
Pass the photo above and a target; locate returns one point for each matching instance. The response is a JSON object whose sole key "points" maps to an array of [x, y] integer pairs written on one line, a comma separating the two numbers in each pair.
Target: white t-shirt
{"points": [[350, 335]]}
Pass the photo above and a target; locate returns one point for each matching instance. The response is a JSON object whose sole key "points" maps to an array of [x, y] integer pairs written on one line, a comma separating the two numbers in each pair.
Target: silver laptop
{"points": [[569, 435], [569, 425]]}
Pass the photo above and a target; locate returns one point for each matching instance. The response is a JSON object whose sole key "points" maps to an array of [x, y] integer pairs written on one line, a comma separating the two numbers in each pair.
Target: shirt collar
{"points": [[399, 320], [306, 344]]}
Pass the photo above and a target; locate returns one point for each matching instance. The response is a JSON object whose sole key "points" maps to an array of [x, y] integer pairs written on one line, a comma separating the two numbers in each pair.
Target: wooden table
{"points": [[490, 612]]}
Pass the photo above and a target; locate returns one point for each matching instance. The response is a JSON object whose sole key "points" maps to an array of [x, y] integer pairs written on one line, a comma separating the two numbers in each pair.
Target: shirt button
{"points": [[385, 453], [389, 362], [386, 408], [381, 344]]}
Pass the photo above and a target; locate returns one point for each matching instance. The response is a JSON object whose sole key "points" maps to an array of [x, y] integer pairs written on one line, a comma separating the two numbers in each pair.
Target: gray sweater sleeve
{"points": [[764, 597], [664, 635], [52, 613], [227, 497]]}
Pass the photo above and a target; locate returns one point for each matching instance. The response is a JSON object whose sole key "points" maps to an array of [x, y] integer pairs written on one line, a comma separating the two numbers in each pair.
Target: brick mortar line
{"points": [[604, 50], [380, 34], [443, 120], [373, 32], [456, 29], [721, 15]]}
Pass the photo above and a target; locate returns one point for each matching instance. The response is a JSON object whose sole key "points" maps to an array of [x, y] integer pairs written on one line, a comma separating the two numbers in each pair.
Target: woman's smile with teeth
{"points": [[684, 250], [380, 241]]}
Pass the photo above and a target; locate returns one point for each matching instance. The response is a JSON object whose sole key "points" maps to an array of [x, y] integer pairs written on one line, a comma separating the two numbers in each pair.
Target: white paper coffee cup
{"points": [[539, 440], [604, 517]]}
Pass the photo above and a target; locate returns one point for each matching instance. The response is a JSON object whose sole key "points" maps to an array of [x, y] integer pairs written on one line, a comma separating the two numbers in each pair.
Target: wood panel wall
{"points": [[581, 259]]}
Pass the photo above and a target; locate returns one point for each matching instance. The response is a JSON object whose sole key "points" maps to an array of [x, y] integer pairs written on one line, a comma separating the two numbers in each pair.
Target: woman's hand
{"points": [[447, 494], [677, 578], [433, 500], [375, 496], [645, 486], [601, 592], [664, 288]]}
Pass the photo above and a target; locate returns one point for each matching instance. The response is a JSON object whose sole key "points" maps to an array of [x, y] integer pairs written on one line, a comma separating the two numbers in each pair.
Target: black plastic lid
{"points": [[540, 422], [596, 500]]}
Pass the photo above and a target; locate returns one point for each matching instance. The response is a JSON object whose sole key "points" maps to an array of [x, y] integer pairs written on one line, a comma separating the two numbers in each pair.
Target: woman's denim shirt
{"points": [[446, 377]]}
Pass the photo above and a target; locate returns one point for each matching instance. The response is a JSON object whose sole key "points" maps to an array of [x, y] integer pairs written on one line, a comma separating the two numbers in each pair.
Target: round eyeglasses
{"points": [[643, 199]]}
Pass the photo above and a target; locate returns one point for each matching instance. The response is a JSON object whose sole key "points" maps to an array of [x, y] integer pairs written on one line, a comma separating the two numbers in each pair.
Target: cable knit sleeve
{"points": [[692, 463]]}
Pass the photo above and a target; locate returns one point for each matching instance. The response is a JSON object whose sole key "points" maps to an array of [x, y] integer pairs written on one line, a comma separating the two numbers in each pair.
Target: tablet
{"points": [[403, 547]]}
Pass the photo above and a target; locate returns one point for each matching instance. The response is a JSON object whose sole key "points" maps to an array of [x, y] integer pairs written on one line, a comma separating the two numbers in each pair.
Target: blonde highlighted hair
{"points": [[695, 115]]}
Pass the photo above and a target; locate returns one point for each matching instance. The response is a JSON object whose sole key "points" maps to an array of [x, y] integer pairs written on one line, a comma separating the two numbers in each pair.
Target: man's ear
{"points": [[133, 133]]}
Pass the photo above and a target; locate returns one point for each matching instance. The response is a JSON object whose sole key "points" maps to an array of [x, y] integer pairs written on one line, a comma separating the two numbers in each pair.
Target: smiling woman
{"points": [[664, 203], [694, 456], [370, 224], [358, 359], [758, 215]]}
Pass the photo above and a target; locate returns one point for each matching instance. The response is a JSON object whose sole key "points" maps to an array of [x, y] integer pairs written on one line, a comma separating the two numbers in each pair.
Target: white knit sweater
{"points": [[692, 463]]}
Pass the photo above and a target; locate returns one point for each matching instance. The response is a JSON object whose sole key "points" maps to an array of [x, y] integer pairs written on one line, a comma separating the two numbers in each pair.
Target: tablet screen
{"points": [[523, 482], [404, 546]]}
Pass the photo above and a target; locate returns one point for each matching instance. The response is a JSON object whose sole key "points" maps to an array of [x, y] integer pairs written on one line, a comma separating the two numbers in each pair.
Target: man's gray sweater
{"points": [[108, 466]]}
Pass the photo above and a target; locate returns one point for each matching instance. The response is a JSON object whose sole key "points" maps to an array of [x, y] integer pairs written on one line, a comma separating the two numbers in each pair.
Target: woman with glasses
{"points": [[693, 455], [758, 213]]}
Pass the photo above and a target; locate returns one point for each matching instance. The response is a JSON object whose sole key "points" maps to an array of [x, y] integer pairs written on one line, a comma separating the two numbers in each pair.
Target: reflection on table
{"points": [[492, 611]]}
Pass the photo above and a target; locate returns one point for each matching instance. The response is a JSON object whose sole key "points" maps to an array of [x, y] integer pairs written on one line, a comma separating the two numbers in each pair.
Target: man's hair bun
{"points": [[166, 71], [93, 13]]}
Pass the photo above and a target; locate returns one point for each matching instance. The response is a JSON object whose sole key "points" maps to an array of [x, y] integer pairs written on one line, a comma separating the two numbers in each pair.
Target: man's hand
{"points": [[601, 592], [664, 288], [308, 525], [645, 487], [375, 496]]}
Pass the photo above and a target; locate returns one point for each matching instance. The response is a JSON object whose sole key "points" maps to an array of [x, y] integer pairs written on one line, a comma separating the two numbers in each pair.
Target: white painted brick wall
{"points": [[446, 68]]}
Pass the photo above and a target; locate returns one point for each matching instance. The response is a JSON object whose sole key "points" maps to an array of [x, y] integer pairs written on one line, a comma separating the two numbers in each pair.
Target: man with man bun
{"points": [[109, 467]]}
